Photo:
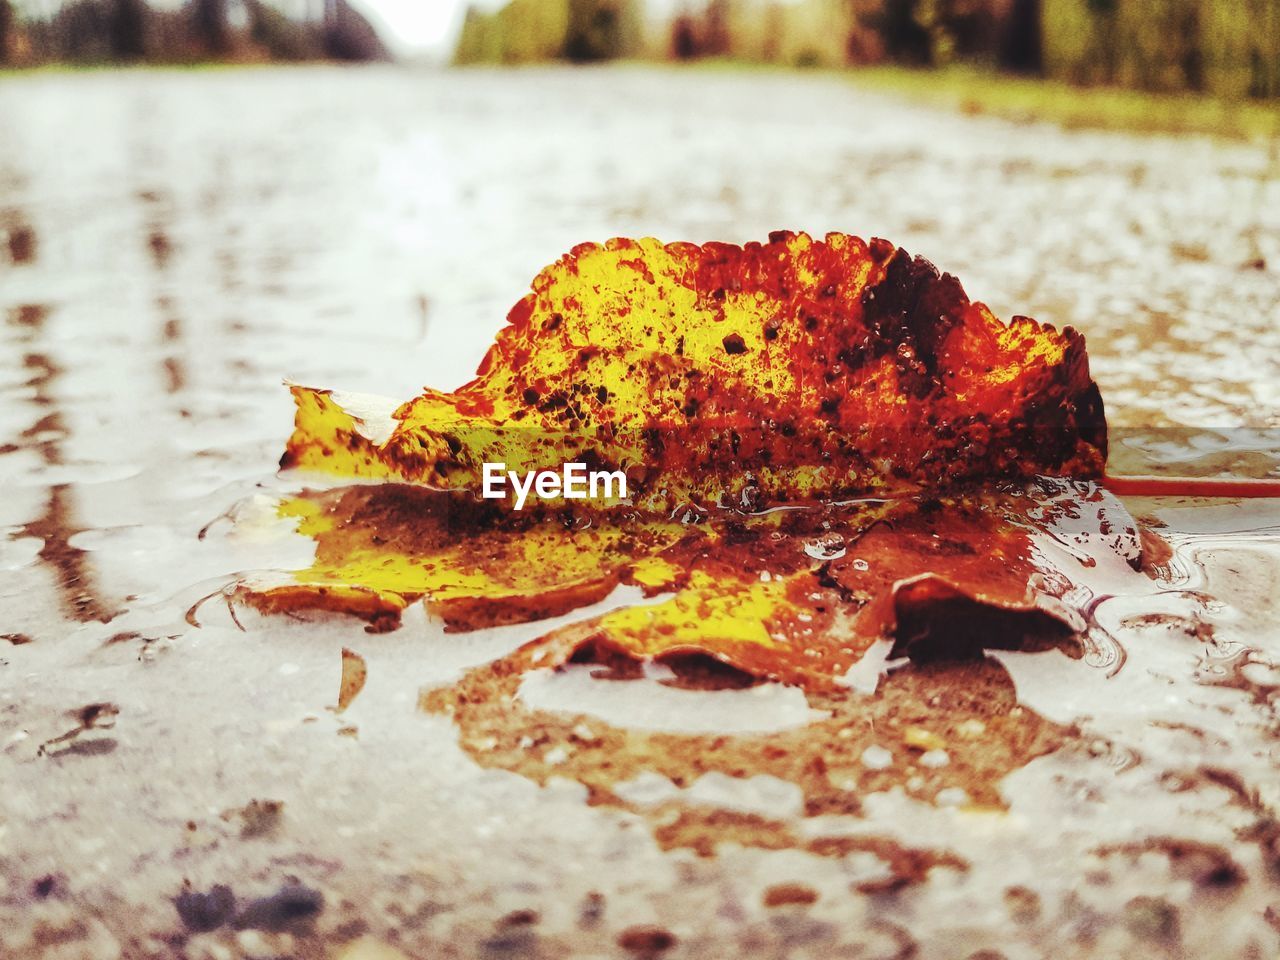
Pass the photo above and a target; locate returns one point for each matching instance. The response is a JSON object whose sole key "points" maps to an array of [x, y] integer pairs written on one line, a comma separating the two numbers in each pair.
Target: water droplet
{"points": [[828, 546]]}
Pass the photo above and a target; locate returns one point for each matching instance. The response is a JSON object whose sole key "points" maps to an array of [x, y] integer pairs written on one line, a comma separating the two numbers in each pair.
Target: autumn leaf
{"points": [[793, 369], [828, 444]]}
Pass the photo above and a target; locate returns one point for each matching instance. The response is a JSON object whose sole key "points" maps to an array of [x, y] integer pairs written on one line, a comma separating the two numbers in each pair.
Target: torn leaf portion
{"points": [[382, 547], [354, 673], [944, 578], [338, 438], [790, 370]]}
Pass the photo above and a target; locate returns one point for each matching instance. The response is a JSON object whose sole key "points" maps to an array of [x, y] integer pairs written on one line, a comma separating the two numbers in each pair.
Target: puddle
{"points": [[649, 704]]}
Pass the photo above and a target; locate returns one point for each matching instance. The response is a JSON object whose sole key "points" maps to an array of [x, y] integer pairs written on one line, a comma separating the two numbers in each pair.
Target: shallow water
{"points": [[176, 243]]}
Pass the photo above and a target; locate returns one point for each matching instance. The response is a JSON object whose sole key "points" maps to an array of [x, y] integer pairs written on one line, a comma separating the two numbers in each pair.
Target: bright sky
{"points": [[431, 26], [421, 26]]}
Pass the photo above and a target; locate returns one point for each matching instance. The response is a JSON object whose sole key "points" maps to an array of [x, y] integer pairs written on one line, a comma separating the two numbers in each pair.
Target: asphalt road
{"points": [[178, 242]]}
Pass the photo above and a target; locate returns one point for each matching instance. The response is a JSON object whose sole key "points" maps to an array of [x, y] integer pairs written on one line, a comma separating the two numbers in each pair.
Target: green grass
{"points": [[976, 91], [158, 66]]}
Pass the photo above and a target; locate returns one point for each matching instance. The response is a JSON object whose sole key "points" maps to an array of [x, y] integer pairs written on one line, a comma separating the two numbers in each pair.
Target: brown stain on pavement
{"points": [[160, 249], [75, 576], [56, 526], [171, 333], [969, 709], [20, 237]]}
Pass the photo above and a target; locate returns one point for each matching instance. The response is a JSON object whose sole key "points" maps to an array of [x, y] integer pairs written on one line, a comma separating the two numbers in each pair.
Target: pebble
{"points": [[252, 943], [877, 758], [951, 797], [555, 756], [369, 948], [933, 759], [971, 729]]}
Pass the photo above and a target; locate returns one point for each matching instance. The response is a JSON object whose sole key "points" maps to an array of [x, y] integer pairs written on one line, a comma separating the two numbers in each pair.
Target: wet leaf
{"points": [[725, 380], [772, 372], [379, 548], [942, 576]]}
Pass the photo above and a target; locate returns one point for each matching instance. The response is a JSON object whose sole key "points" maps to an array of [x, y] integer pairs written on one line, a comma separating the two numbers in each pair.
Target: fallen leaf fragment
{"points": [[382, 547], [988, 583], [354, 673], [943, 576], [92, 716]]}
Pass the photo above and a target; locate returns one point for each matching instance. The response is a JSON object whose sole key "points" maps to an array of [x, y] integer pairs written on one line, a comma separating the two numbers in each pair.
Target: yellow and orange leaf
{"points": [[793, 369], [850, 381]]}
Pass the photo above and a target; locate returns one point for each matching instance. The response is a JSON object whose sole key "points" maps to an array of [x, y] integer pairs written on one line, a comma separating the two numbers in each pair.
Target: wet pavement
{"points": [[173, 244]]}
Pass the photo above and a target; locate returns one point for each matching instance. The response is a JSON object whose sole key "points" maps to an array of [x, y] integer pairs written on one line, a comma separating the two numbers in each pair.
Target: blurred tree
{"points": [[349, 36], [684, 38], [716, 38], [960, 29], [209, 26], [533, 30], [280, 37], [525, 31], [1020, 48], [104, 31], [1227, 47], [815, 33], [1190, 52], [600, 30], [7, 32], [474, 40], [128, 30], [773, 25], [707, 33], [906, 40], [80, 32]]}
